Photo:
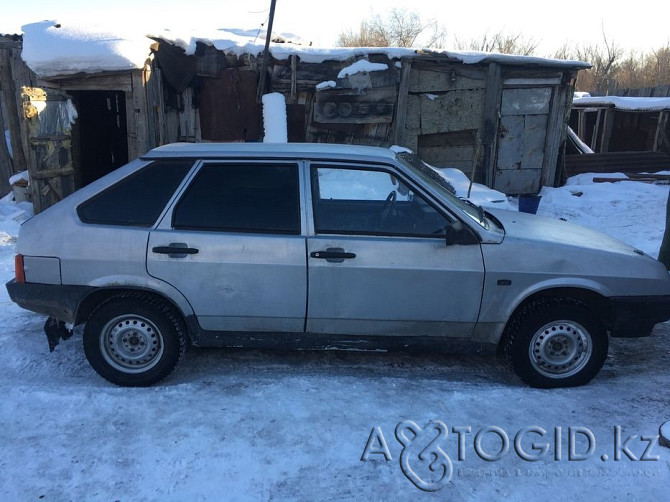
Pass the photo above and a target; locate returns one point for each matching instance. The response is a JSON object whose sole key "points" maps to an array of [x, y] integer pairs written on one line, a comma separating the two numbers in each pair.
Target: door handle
{"points": [[333, 255], [175, 250]]}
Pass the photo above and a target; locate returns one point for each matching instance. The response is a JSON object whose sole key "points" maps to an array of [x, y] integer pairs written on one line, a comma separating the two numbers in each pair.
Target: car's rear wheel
{"points": [[134, 340], [556, 342]]}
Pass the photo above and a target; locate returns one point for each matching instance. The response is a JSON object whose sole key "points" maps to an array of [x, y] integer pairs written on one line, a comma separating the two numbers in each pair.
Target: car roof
{"points": [[274, 150]]}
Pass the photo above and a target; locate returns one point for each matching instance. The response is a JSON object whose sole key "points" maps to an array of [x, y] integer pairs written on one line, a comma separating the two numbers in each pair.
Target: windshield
{"points": [[432, 178]]}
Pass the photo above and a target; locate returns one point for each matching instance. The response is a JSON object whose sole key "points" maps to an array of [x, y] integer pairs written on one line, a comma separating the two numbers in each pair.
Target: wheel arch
{"points": [[101, 295], [593, 300]]}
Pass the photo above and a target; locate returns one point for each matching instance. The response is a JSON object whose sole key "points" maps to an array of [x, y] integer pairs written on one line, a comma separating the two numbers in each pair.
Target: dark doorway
{"points": [[100, 135]]}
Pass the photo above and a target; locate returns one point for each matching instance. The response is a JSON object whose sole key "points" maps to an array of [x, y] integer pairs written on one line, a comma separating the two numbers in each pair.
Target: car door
{"points": [[378, 260], [232, 244]]}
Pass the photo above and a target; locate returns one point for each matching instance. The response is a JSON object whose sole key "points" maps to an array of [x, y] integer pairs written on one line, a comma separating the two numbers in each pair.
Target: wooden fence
{"points": [[660, 91]]}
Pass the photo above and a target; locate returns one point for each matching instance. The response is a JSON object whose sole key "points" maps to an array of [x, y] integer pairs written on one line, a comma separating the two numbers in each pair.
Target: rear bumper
{"points": [[635, 316], [55, 300]]}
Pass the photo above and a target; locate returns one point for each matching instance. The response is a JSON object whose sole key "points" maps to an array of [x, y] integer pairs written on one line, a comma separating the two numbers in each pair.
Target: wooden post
{"points": [[608, 125], [581, 124], [489, 129], [6, 166], [294, 77], [596, 129], [13, 111], [401, 107], [140, 112], [556, 132], [661, 137]]}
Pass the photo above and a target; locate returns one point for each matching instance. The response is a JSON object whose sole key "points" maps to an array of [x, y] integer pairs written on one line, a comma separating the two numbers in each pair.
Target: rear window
{"points": [[242, 198], [138, 199]]}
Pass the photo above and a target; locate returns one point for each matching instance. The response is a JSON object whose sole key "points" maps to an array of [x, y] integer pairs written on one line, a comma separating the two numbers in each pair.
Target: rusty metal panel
{"points": [[520, 153], [510, 142], [534, 136], [522, 138], [526, 101], [228, 108], [518, 181], [453, 111]]}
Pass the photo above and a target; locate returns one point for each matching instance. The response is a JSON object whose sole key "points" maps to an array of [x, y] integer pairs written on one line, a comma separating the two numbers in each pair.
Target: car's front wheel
{"points": [[134, 340], [556, 342]]}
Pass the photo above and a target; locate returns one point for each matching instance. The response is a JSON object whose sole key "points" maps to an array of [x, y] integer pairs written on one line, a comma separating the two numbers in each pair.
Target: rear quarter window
{"points": [[138, 199]]}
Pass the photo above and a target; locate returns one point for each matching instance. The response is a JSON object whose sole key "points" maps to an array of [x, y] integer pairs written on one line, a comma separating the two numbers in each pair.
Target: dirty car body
{"points": [[322, 246]]}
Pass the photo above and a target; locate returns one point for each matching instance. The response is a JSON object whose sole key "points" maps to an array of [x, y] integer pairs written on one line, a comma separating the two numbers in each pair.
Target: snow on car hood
{"points": [[531, 227]]}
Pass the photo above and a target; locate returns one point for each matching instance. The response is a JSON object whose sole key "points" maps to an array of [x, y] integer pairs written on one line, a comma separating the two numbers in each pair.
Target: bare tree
{"points": [[630, 73], [658, 64], [501, 42], [401, 28], [605, 61]]}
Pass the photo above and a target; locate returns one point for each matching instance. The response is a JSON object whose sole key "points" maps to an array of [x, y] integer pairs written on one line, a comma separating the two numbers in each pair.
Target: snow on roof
{"points": [[625, 103], [361, 66], [52, 49], [231, 41]]}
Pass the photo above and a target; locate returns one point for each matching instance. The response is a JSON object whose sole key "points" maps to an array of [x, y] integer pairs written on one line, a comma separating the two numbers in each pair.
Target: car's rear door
{"points": [[232, 243], [378, 260]]}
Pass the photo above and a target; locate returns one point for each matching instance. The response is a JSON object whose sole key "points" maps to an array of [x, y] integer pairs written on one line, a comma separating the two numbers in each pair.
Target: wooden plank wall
{"points": [[359, 110], [617, 162], [445, 110], [13, 75]]}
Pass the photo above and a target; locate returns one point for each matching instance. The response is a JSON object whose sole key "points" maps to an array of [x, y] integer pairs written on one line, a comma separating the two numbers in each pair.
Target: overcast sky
{"points": [[642, 27]]}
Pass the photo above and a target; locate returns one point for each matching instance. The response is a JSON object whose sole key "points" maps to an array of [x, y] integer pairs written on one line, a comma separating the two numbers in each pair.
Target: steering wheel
{"points": [[389, 204]]}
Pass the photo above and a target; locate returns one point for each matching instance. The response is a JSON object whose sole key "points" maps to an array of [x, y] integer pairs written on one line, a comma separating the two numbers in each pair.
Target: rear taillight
{"points": [[19, 273]]}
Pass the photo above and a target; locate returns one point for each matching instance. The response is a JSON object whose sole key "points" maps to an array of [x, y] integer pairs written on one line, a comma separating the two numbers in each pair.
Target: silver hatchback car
{"points": [[322, 246]]}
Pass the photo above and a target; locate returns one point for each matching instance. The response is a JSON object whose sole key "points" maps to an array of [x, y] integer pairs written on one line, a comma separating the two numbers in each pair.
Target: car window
{"points": [[367, 201], [242, 198], [431, 178], [138, 199]]}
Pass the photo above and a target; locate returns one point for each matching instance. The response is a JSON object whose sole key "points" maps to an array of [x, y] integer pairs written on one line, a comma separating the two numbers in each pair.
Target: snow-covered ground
{"points": [[261, 425]]}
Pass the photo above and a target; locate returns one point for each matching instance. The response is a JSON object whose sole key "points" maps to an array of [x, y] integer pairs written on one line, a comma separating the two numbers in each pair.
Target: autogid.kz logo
{"points": [[425, 461]]}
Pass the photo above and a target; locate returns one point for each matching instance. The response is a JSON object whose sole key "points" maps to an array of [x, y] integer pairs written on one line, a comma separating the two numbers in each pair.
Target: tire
{"points": [[134, 340], [556, 342]]}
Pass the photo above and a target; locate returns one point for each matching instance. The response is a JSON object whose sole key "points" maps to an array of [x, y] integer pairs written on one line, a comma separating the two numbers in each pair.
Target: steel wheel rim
{"points": [[131, 343], [560, 349]]}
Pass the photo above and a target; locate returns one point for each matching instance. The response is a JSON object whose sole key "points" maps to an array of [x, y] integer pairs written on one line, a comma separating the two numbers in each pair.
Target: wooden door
{"points": [[522, 135], [49, 114]]}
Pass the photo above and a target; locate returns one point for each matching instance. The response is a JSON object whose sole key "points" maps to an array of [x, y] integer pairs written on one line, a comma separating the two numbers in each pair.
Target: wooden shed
{"points": [[623, 124], [627, 134], [500, 118]]}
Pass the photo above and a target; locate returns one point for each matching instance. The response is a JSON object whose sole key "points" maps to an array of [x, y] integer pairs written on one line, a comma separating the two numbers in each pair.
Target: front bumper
{"points": [[55, 300], [635, 316]]}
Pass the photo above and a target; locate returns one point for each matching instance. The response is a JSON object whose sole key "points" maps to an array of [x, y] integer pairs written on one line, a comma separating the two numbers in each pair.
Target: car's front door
{"points": [[379, 263], [232, 244]]}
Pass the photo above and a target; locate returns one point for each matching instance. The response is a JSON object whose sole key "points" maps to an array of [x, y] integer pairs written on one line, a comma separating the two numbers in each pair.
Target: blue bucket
{"points": [[529, 203]]}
